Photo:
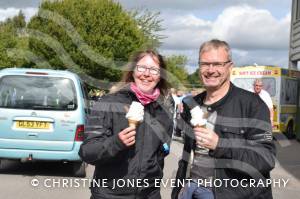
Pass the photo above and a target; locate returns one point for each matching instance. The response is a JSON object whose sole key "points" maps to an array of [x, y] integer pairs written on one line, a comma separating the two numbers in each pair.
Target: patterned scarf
{"points": [[145, 98]]}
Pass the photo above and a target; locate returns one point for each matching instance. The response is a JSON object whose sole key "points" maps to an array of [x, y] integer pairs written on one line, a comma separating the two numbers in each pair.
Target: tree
{"points": [[91, 34], [150, 23], [194, 80], [19, 20], [176, 66], [6, 41], [9, 39]]}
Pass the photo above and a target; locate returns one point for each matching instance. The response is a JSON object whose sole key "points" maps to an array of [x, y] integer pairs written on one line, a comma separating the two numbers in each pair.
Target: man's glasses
{"points": [[213, 64], [152, 70]]}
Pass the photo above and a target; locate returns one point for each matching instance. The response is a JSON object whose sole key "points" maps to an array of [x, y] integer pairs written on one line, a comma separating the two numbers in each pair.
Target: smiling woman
{"points": [[120, 150], [147, 70]]}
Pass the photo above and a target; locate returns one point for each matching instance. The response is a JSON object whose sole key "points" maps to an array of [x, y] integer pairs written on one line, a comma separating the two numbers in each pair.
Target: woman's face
{"points": [[146, 74]]}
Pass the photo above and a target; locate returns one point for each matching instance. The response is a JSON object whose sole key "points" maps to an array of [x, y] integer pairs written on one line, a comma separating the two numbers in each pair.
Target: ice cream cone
{"points": [[201, 126], [135, 114], [133, 123]]}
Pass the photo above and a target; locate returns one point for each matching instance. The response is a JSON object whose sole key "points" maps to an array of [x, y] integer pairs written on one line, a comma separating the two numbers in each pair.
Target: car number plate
{"points": [[33, 124]]}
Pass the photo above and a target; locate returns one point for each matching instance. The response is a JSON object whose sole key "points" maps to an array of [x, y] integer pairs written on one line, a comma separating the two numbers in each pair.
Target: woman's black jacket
{"points": [[141, 165]]}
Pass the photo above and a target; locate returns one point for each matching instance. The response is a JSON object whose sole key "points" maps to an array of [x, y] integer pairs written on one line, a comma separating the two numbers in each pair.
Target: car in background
{"points": [[42, 116]]}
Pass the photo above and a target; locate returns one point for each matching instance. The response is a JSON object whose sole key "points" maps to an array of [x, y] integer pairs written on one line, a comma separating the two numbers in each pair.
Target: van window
{"points": [[269, 84], [37, 93], [289, 92]]}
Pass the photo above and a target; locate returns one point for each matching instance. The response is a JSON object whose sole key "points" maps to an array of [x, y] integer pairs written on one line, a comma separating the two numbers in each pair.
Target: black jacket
{"points": [[245, 151], [141, 163]]}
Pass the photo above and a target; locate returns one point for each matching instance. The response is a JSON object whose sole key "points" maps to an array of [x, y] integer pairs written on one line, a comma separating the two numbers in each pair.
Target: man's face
{"points": [[257, 87], [215, 68]]}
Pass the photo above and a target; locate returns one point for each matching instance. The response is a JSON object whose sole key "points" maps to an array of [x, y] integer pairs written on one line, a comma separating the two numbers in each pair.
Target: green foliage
{"points": [[150, 23], [176, 66], [10, 39], [19, 20], [106, 31], [93, 37], [7, 40], [179, 77], [194, 79]]}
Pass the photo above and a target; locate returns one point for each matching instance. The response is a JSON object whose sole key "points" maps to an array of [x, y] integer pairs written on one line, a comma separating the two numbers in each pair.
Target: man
{"points": [[178, 127], [264, 95], [235, 149], [177, 102]]}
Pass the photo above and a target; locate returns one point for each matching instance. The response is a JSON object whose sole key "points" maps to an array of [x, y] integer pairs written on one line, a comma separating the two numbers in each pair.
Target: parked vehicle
{"points": [[42, 116], [283, 85]]}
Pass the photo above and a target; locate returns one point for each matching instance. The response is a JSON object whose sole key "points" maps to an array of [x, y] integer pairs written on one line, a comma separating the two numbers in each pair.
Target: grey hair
{"points": [[257, 80], [215, 44]]}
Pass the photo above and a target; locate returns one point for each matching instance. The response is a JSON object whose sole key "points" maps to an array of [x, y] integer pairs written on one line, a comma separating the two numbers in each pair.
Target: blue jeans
{"points": [[193, 191]]}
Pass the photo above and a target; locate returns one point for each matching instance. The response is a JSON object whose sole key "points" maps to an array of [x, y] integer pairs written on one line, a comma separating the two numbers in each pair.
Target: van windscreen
{"points": [[269, 84], [37, 93]]}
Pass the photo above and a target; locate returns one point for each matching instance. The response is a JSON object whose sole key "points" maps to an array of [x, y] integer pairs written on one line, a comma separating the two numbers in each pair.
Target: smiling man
{"points": [[235, 148]]}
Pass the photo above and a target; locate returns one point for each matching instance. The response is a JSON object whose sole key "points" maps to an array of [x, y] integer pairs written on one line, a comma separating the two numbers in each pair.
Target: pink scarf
{"points": [[143, 97]]}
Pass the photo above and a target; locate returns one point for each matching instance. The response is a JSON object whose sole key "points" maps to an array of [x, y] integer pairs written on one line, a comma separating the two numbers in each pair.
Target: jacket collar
{"points": [[212, 107], [126, 91]]}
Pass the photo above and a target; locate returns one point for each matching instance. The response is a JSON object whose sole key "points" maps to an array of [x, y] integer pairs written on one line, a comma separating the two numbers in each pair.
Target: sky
{"points": [[257, 30]]}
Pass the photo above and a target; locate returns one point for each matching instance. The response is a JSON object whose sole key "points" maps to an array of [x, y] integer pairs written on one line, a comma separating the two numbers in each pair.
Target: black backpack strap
{"points": [[182, 166]]}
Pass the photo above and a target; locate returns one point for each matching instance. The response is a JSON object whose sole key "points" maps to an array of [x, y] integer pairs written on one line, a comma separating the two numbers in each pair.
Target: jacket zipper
{"points": [[215, 177], [141, 152]]}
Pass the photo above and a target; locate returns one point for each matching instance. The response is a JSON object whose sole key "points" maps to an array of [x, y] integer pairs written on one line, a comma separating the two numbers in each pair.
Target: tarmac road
{"points": [[44, 180]]}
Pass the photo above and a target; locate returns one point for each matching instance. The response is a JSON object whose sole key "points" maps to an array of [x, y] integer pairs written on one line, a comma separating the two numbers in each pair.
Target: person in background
{"points": [[176, 99], [178, 128], [235, 144], [176, 108], [134, 155], [264, 95]]}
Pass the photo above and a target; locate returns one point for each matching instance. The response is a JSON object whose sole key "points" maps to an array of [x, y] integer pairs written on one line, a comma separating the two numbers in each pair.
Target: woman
{"points": [[129, 160]]}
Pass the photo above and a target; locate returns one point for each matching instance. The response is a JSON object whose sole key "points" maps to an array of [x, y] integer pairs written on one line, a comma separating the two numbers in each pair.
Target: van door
{"points": [[38, 112]]}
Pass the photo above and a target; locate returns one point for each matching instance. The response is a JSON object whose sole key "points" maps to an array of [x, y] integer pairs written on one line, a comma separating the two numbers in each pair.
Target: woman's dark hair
{"points": [[128, 75]]}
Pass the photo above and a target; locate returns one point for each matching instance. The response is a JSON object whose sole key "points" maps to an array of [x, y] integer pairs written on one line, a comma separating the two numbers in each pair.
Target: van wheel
{"points": [[79, 169], [289, 131]]}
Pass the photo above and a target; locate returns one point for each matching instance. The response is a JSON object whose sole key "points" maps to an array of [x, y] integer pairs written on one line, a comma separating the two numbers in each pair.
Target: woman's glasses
{"points": [[152, 70]]}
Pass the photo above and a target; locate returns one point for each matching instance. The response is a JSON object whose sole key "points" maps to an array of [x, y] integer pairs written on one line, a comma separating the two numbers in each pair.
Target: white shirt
{"points": [[265, 96], [176, 99], [176, 103]]}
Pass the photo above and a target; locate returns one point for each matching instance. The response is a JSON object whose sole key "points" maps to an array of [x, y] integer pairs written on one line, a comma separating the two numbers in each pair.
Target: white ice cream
{"points": [[135, 112], [197, 117]]}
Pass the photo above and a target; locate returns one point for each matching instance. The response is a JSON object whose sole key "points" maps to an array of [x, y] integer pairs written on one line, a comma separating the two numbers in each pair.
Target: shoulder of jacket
{"points": [[116, 96], [192, 101], [115, 102], [247, 97], [243, 94], [200, 96]]}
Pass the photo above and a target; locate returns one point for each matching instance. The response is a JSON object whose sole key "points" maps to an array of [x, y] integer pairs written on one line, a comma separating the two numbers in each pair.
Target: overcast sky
{"points": [[257, 30]]}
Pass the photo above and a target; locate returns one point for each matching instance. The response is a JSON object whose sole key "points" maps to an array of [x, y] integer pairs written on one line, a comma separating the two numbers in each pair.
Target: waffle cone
{"points": [[133, 123], [202, 126]]}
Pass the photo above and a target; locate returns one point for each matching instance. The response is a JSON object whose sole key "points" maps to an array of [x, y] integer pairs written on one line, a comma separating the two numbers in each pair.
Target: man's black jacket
{"points": [[245, 151], [113, 160]]}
